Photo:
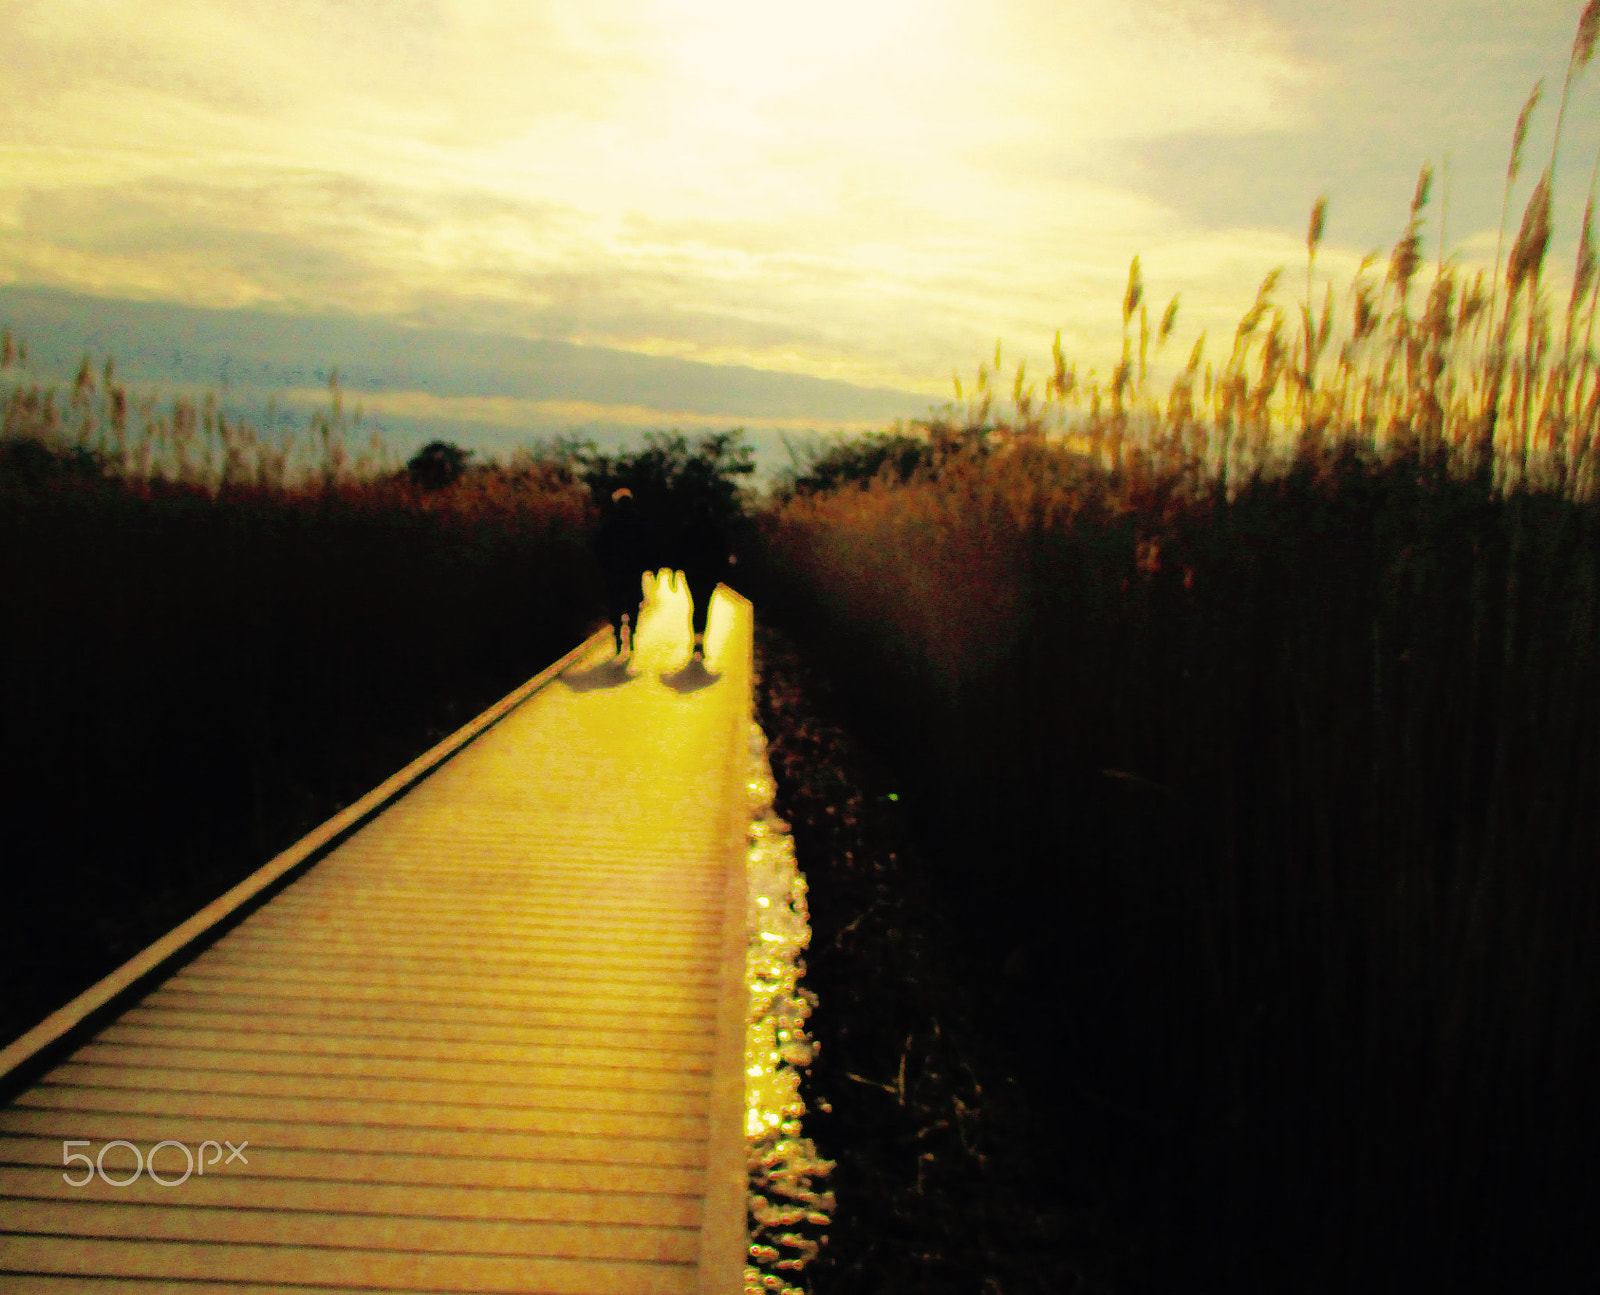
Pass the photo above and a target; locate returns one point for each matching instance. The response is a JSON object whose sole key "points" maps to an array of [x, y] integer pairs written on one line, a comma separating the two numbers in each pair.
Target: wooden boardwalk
{"points": [[491, 1041]]}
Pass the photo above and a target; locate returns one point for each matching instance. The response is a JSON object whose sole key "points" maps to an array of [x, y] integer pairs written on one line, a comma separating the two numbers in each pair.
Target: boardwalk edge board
{"points": [[724, 1233], [26, 1059]]}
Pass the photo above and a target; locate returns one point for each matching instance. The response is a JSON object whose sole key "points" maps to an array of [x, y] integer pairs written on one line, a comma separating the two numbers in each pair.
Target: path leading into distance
{"points": [[491, 1042]]}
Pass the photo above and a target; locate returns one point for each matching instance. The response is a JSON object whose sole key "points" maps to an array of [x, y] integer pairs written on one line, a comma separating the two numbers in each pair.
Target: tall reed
{"points": [[1258, 722], [1453, 381]]}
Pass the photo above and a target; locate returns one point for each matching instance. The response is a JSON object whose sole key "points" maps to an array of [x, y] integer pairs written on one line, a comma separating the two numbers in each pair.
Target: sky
{"points": [[504, 220]]}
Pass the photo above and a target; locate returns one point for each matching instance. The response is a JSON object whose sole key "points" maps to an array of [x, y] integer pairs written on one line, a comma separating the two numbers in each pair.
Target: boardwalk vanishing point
{"points": [[483, 1031]]}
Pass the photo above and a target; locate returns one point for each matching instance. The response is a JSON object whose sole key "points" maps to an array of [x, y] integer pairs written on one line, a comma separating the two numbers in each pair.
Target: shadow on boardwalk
{"points": [[611, 673]]}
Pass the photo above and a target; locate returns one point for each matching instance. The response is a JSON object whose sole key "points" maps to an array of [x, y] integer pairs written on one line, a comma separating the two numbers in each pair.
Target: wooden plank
{"points": [[655, 1209], [623, 965], [617, 943], [403, 1025], [405, 1170], [489, 1075], [363, 1043], [514, 914], [555, 996], [600, 986], [724, 1242], [331, 1266], [36, 1285], [531, 1095], [461, 1117], [364, 1231], [539, 1014], [582, 925], [269, 1136]]}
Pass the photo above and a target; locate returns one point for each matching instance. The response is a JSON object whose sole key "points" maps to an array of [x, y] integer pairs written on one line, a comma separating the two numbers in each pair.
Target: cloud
{"points": [[434, 72], [865, 189], [545, 415], [161, 344]]}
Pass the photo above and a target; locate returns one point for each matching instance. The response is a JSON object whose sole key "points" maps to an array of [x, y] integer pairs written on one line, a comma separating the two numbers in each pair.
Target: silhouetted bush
{"points": [[438, 465], [670, 478], [894, 457]]}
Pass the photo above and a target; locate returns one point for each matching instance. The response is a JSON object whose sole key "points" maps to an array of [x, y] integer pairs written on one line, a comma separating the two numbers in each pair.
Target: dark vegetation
{"points": [[1269, 846], [671, 479], [894, 456], [438, 465], [1251, 742], [942, 1183]]}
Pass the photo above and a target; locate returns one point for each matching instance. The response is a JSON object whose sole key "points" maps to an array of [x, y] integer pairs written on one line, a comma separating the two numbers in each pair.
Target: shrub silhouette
{"points": [[438, 465], [672, 481], [895, 456]]}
